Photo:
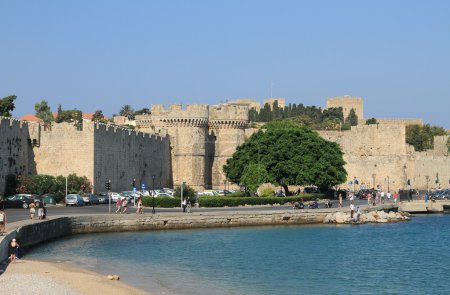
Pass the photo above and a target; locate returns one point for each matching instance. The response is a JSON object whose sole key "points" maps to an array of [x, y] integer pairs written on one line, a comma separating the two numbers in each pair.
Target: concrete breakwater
{"points": [[29, 233]]}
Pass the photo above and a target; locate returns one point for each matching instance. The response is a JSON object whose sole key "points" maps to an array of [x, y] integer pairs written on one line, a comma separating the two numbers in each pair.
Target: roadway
{"points": [[18, 214]]}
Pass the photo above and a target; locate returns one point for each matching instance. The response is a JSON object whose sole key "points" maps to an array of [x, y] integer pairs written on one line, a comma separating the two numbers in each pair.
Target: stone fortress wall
{"points": [[201, 139], [99, 152], [379, 155], [191, 145], [15, 147]]}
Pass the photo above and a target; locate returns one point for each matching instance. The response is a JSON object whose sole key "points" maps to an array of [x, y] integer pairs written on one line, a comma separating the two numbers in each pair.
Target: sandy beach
{"points": [[37, 277]]}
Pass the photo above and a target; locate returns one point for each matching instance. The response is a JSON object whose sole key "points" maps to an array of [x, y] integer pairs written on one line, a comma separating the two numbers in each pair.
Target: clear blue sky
{"points": [[96, 54]]}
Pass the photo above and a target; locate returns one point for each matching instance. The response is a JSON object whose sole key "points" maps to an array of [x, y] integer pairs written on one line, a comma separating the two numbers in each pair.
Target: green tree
{"points": [[142, 111], [43, 111], [422, 137], [333, 113], [98, 115], [7, 105], [188, 192], [352, 118], [253, 176], [292, 155], [371, 121], [127, 111], [71, 116]]}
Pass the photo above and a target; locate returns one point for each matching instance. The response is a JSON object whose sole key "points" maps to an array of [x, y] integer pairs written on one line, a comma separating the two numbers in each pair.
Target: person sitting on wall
{"points": [[13, 250]]}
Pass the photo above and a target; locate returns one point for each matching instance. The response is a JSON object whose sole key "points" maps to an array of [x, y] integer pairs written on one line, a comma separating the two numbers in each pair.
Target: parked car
{"points": [[163, 195], [115, 196], [103, 198], [16, 201], [74, 200], [90, 199]]}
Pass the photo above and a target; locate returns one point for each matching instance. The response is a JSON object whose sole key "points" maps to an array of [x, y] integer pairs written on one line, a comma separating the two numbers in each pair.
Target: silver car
{"points": [[74, 200]]}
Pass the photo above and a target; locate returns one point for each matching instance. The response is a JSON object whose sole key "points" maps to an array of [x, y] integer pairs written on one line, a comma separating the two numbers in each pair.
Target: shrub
{"points": [[222, 201], [267, 192], [161, 202]]}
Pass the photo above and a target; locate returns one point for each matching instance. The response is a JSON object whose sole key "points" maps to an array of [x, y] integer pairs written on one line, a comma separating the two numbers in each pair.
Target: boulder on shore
{"points": [[369, 217]]}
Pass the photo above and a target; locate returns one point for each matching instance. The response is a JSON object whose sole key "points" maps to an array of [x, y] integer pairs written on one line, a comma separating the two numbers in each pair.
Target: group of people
{"points": [[41, 210], [376, 197], [186, 205], [122, 205]]}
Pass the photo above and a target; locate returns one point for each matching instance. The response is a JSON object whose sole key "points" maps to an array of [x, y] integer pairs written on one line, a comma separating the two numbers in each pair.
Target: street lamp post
{"points": [[153, 194], [373, 179], [428, 179], [388, 184]]}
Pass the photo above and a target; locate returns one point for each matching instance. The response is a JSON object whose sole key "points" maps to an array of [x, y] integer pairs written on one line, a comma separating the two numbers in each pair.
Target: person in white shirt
{"points": [[352, 210]]}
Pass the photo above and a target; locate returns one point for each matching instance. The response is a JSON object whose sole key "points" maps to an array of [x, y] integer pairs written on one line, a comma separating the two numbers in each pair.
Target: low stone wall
{"points": [[29, 234]]}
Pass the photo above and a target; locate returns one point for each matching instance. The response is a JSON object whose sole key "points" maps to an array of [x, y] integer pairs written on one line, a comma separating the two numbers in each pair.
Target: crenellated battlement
{"points": [[228, 112], [11, 122], [109, 128], [177, 111]]}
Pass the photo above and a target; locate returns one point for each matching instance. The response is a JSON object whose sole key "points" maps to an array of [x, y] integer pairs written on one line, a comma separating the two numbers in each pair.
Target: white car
{"points": [[163, 195], [115, 196]]}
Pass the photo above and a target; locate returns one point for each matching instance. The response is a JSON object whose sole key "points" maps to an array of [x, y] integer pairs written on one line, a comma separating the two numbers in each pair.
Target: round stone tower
{"points": [[187, 130], [227, 125]]}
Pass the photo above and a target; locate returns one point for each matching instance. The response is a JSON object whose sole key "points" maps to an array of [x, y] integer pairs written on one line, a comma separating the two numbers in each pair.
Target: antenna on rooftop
{"points": [[271, 86]]}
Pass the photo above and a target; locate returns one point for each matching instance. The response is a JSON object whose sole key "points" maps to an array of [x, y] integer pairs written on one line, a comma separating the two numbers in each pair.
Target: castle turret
{"points": [[347, 103], [227, 125], [188, 134]]}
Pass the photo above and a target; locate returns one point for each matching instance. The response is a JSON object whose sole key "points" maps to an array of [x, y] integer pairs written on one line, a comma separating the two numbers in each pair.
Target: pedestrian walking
{"points": [[388, 196], [382, 197], [340, 201], [395, 197], [32, 210], [2, 221], [139, 206], [124, 205], [40, 206], [184, 205], [352, 210], [369, 196], [119, 205], [358, 214], [188, 206]]}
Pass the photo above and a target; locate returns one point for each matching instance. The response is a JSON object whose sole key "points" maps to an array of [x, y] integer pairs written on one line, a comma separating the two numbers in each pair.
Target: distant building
{"points": [[31, 118], [271, 101], [251, 103]]}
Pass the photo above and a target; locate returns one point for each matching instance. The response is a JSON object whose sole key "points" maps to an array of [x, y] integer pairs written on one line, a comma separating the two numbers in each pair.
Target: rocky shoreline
{"points": [[367, 217]]}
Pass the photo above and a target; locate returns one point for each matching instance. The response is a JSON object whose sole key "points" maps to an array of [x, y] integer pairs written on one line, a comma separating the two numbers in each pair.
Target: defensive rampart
{"points": [[188, 131], [377, 155], [227, 124], [15, 150], [104, 152]]}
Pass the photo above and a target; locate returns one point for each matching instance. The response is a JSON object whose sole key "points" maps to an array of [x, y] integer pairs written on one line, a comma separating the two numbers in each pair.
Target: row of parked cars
{"points": [[440, 194], [103, 198], [24, 200]]}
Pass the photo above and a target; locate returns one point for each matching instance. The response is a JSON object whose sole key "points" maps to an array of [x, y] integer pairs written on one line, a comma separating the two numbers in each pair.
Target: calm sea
{"points": [[398, 258]]}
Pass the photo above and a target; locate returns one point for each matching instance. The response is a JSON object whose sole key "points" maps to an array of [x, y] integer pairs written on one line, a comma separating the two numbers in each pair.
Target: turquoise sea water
{"points": [[398, 258]]}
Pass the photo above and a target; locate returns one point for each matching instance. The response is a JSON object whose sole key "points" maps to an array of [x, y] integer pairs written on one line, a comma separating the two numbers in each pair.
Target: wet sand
{"points": [[38, 277]]}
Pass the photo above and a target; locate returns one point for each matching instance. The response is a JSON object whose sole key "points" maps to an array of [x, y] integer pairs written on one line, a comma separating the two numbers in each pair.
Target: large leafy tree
{"points": [[292, 154], [422, 137], [7, 105], [127, 111], [253, 176], [43, 111]]}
